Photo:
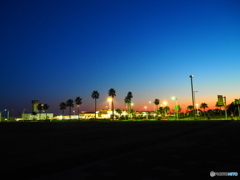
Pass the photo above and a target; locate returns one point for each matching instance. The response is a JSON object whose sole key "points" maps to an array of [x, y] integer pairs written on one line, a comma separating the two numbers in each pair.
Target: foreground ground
{"points": [[117, 150]]}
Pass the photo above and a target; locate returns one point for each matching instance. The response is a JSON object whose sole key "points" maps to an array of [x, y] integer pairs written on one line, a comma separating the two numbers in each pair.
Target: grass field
{"points": [[43, 147]]}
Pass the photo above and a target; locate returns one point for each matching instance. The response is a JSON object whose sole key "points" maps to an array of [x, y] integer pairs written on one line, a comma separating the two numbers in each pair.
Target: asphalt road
{"points": [[117, 150]]}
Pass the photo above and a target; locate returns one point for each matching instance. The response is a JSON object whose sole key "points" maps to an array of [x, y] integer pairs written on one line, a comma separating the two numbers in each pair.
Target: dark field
{"points": [[33, 150]]}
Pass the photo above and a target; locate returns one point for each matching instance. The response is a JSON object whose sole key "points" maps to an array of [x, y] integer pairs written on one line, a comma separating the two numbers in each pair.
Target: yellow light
{"points": [[109, 99]]}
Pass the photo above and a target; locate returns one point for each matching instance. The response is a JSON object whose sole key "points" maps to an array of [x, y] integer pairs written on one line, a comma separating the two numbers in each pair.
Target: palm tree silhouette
{"points": [[70, 105], [127, 101], [203, 106], [129, 95], [161, 110], [78, 101], [63, 106], [34, 114], [45, 107], [166, 108], [40, 107], [119, 111], [95, 95], [156, 102], [237, 102], [112, 93], [190, 107]]}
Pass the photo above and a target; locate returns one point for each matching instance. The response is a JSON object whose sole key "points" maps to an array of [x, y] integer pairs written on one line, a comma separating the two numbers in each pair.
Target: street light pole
{"points": [[194, 93], [176, 106], [193, 103]]}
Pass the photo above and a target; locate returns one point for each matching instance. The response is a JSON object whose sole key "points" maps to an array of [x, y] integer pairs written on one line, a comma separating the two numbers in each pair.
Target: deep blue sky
{"points": [[53, 50]]}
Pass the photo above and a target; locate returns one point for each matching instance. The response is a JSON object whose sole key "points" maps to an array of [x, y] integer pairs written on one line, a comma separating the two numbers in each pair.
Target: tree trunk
{"points": [[95, 107], [112, 108], [128, 110]]}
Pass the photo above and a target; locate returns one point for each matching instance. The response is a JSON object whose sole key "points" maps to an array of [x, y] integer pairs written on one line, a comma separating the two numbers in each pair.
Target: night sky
{"points": [[54, 50]]}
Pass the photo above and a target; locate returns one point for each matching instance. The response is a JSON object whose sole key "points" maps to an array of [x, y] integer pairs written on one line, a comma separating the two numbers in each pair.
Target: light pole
{"points": [[194, 93], [197, 109], [131, 104], [195, 104], [109, 101], [145, 107], [191, 76], [176, 107]]}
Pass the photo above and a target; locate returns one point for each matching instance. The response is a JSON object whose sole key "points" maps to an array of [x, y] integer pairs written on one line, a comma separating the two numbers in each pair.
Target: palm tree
{"points": [[190, 107], [161, 109], [34, 114], [131, 112], [95, 95], [119, 111], [40, 107], [112, 93], [78, 101], [129, 95], [177, 108], [166, 109], [127, 101], [203, 106], [237, 102], [45, 107], [156, 102], [63, 106], [70, 105]]}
